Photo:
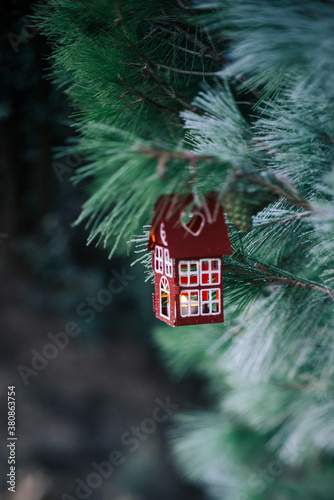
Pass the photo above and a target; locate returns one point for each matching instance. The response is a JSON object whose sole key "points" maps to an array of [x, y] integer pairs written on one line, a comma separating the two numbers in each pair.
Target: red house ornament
{"points": [[188, 242]]}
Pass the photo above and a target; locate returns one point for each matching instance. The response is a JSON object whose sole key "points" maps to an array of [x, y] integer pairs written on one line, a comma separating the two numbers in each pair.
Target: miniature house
{"points": [[188, 242]]}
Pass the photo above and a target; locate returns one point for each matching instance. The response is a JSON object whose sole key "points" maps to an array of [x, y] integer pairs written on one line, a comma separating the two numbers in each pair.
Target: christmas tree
{"points": [[237, 97]]}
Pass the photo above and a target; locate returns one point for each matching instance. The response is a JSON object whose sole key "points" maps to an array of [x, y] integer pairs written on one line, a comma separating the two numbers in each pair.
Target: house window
{"points": [[164, 298], [158, 260], [189, 305], [210, 301], [210, 271], [188, 272], [168, 264]]}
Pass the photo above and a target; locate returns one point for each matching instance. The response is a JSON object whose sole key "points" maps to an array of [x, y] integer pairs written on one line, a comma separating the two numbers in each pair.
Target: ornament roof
{"points": [[189, 227]]}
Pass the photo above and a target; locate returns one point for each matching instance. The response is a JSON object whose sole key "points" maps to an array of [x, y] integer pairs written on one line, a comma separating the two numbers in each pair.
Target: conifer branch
{"points": [[173, 155], [184, 49], [166, 87], [290, 194], [204, 48], [185, 72], [183, 6], [287, 219], [252, 89], [144, 98], [277, 333], [264, 146], [171, 91], [261, 273], [309, 285]]}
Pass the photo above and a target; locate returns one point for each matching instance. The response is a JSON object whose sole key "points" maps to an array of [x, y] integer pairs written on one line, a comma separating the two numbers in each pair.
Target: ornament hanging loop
{"points": [[193, 169]]}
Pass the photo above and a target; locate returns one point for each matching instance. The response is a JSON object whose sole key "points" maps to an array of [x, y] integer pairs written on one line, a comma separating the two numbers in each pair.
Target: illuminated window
{"points": [[164, 298], [158, 259], [168, 264], [188, 272], [189, 305], [210, 271], [210, 301]]}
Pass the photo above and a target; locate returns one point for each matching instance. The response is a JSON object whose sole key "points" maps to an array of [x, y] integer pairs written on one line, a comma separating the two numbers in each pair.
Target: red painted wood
{"points": [[205, 233], [205, 236]]}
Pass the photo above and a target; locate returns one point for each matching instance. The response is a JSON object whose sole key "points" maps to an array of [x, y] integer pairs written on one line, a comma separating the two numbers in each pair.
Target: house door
{"points": [[164, 298]]}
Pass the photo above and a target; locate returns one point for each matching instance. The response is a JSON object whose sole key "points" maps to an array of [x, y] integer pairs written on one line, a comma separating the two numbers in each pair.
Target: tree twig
{"points": [[183, 6], [184, 71], [173, 155], [269, 279], [287, 219], [204, 48], [144, 98], [291, 194], [184, 49], [166, 87]]}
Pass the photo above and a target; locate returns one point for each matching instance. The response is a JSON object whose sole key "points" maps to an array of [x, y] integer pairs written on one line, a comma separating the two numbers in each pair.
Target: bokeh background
{"points": [[73, 411]]}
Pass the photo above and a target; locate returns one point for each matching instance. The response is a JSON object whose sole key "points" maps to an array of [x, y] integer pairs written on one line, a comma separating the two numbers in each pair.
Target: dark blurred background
{"points": [[73, 407]]}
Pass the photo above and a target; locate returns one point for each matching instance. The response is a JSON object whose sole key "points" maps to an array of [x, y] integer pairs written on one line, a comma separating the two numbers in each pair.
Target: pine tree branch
{"points": [[166, 87], [309, 285], [264, 146], [176, 70], [290, 194], [199, 54], [183, 6], [144, 98], [173, 155], [261, 273], [185, 72], [287, 219], [328, 138], [253, 90], [204, 48]]}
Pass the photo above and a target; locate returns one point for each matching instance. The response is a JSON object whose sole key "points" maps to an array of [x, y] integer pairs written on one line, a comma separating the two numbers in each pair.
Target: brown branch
{"points": [[214, 47], [173, 155], [287, 219], [183, 49], [171, 92], [294, 198], [166, 87], [328, 138], [183, 6], [292, 195], [310, 285], [284, 280], [164, 156], [298, 202], [144, 98], [267, 148], [324, 135], [204, 48], [253, 90], [161, 166], [184, 71]]}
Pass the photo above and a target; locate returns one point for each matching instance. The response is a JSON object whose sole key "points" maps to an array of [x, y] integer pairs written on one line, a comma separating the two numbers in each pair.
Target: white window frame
{"points": [[158, 259], [168, 264], [210, 271], [164, 287], [188, 273], [187, 309], [210, 301]]}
